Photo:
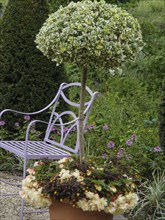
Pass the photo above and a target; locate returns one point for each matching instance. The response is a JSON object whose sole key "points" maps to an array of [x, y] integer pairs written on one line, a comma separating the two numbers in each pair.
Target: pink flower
{"points": [[27, 117], [120, 152], [2, 123], [31, 171], [105, 127], [111, 144], [129, 142], [133, 137], [157, 149]]}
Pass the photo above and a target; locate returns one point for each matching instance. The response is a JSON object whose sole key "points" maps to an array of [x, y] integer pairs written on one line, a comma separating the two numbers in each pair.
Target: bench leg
{"points": [[22, 201], [22, 209]]}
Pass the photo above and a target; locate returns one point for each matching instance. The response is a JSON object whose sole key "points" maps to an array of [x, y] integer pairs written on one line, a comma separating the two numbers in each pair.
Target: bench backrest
{"points": [[66, 123]]}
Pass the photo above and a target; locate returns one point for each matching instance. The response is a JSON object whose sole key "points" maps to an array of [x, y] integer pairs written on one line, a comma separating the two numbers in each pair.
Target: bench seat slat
{"points": [[35, 149]]}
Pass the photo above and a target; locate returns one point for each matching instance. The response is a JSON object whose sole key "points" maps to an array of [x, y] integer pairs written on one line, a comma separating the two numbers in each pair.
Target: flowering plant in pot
{"points": [[94, 185], [85, 33]]}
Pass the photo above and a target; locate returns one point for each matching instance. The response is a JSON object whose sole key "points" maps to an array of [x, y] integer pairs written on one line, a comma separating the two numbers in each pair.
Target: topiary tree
{"points": [[29, 79], [90, 33]]}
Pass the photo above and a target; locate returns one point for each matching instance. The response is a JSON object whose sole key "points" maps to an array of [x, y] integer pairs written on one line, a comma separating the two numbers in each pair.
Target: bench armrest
{"points": [[30, 113], [30, 124]]}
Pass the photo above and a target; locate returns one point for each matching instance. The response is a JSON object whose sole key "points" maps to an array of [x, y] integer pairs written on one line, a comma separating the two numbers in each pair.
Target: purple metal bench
{"points": [[49, 148]]}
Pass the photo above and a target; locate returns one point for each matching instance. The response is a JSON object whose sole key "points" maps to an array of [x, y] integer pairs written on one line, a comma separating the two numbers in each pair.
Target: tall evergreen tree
{"points": [[28, 79]]}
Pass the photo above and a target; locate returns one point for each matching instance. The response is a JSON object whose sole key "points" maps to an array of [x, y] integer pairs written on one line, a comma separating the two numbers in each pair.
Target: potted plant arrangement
{"points": [[87, 33], [95, 189]]}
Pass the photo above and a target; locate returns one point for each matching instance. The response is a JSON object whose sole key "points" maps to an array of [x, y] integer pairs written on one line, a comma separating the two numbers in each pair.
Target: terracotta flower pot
{"points": [[64, 211]]}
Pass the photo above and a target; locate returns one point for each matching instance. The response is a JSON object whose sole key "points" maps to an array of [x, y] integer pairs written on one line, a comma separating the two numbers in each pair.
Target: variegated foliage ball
{"points": [[90, 32]]}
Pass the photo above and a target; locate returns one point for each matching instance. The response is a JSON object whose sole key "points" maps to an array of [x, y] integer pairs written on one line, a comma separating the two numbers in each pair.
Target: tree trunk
{"points": [[81, 112]]}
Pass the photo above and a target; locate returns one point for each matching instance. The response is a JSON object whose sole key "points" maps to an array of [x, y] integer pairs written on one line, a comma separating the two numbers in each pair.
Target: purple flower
{"points": [[17, 124], [157, 149], [27, 117], [129, 142], [89, 127], [73, 129], [133, 137], [120, 152], [2, 123], [111, 144], [105, 127], [104, 155], [65, 130], [54, 129], [128, 157]]}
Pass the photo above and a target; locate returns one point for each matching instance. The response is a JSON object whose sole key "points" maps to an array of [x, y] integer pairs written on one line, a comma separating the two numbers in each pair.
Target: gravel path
{"points": [[10, 206]]}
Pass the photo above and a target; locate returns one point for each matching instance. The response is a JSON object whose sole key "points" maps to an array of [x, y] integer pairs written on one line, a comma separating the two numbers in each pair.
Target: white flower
{"points": [[89, 195], [100, 168], [61, 166], [76, 174], [123, 207], [83, 204], [122, 204], [29, 178], [99, 188], [92, 203], [23, 194], [99, 203], [111, 208], [35, 197], [38, 163], [35, 185], [64, 174], [132, 199], [28, 181], [63, 160], [133, 185], [31, 171], [125, 175], [120, 200], [112, 188], [89, 172]]}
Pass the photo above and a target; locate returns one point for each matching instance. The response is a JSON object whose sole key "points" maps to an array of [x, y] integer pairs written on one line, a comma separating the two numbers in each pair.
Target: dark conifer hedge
{"points": [[28, 79]]}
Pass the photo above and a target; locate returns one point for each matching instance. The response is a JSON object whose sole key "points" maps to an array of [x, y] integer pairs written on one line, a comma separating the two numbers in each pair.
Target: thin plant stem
{"points": [[81, 112]]}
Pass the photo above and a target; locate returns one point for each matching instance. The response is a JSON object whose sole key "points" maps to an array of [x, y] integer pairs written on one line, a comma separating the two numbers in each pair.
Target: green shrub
{"points": [[29, 80], [125, 108], [162, 119], [149, 67]]}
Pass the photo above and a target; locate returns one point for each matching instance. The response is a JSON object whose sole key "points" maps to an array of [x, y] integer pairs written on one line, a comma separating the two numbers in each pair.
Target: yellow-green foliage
{"points": [[88, 33], [4, 1]]}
